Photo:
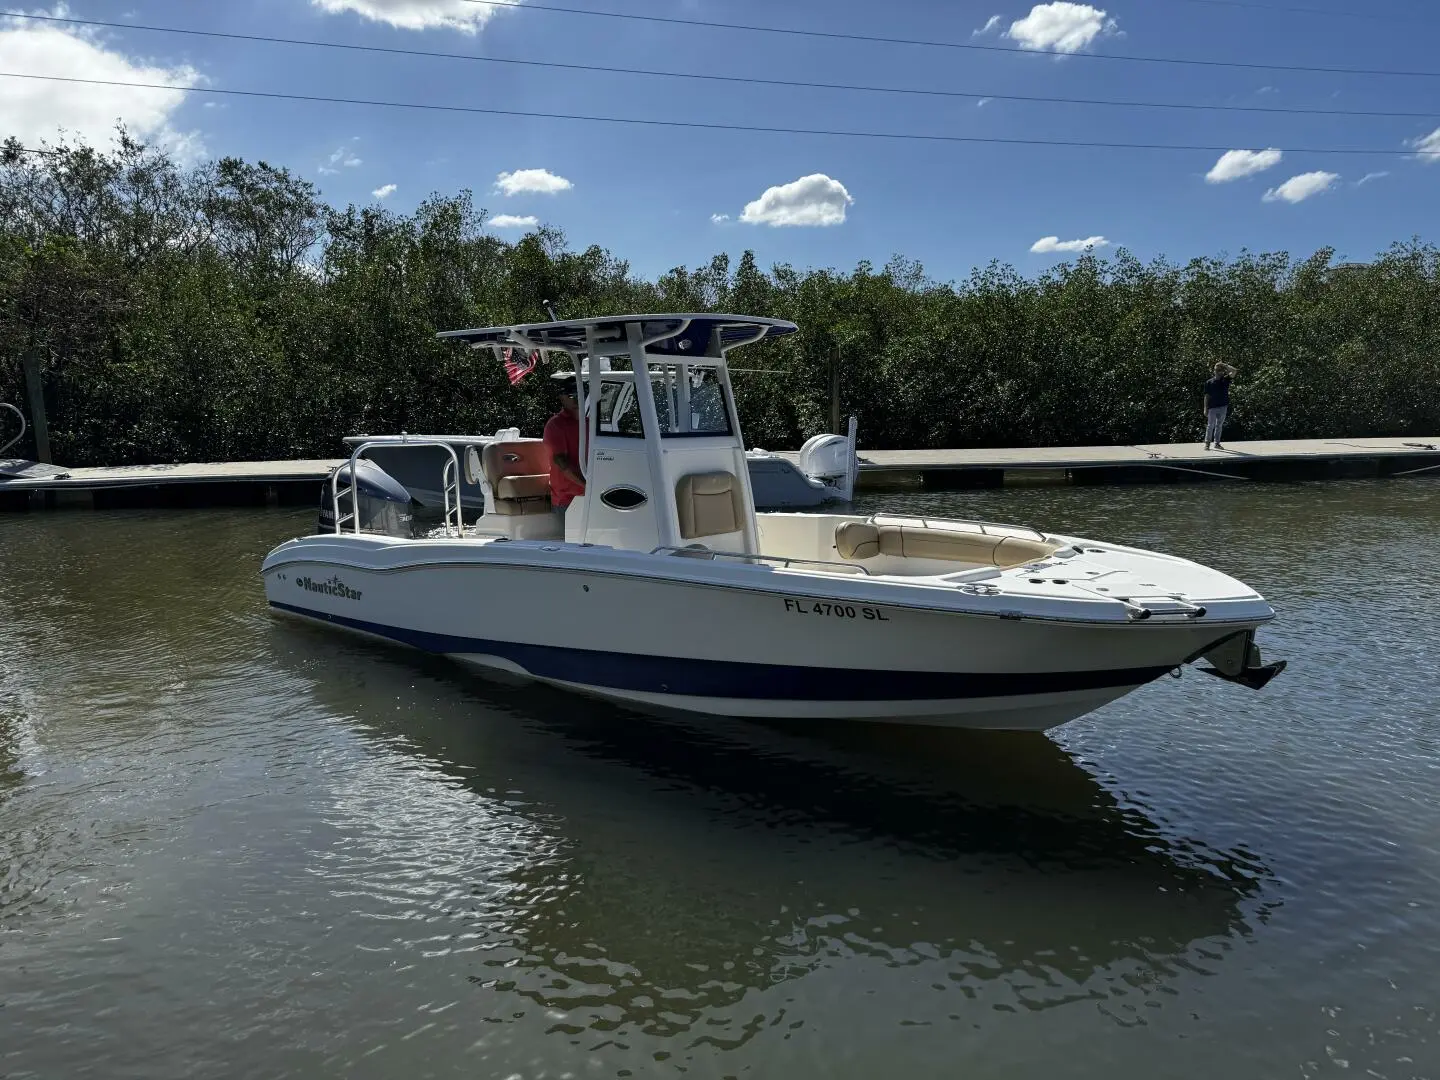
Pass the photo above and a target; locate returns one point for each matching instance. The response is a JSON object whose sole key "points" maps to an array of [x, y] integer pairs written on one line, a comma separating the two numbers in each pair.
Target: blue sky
{"points": [[652, 195]]}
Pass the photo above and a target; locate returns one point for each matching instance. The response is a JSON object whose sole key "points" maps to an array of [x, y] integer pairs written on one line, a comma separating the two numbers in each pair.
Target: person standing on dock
{"points": [[1217, 403]]}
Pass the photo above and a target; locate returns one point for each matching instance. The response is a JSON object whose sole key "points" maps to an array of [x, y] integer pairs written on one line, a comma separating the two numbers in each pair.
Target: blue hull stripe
{"points": [[698, 677]]}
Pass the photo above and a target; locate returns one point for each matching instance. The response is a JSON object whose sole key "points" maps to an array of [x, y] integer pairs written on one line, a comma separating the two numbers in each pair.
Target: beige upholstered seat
{"points": [[708, 504], [519, 476], [856, 540], [524, 487]]}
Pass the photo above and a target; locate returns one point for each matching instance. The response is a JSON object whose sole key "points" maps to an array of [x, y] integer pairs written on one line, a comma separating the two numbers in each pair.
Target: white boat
{"points": [[662, 587], [824, 471]]}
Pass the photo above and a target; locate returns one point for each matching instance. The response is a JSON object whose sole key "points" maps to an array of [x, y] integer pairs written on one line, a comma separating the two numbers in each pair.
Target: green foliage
{"points": [[226, 312]]}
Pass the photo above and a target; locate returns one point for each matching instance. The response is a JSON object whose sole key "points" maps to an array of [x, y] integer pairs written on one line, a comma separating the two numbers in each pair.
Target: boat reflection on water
{"points": [[681, 865]]}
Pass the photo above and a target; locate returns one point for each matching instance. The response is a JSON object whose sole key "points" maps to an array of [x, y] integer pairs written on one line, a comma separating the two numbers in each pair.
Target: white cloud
{"points": [[33, 110], [1047, 244], [990, 24], [342, 158], [1236, 164], [812, 200], [1427, 146], [511, 221], [983, 102], [1369, 176], [533, 181], [1299, 188], [384, 191], [719, 219], [1060, 27], [459, 15]]}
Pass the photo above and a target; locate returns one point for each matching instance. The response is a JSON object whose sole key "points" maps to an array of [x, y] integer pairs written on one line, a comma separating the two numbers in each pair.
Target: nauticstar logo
{"points": [[333, 587]]}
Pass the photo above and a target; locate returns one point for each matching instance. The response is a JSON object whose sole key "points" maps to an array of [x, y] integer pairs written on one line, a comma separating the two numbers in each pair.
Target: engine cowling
{"points": [[385, 505], [826, 457]]}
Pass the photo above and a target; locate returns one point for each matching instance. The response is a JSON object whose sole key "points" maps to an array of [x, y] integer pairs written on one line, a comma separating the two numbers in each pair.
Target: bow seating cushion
{"points": [[858, 540]]}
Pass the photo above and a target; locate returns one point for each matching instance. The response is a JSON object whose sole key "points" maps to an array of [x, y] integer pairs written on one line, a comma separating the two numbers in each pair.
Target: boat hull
{"points": [[758, 650]]}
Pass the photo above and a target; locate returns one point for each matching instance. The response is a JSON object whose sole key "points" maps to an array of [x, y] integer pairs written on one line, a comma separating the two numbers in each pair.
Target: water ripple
{"points": [[240, 847]]}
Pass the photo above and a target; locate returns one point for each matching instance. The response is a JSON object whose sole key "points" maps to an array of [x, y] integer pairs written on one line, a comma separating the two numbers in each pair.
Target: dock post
{"points": [[835, 391], [31, 364]]}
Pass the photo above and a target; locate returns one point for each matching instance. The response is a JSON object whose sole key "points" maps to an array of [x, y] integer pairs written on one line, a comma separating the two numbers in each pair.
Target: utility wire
{"points": [[690, 124], [1289, 9], [752, 80], [969, 45]]}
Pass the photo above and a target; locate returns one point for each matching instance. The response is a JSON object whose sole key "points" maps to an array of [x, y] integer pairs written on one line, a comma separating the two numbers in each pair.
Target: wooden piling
{"points": [[36, 390]]}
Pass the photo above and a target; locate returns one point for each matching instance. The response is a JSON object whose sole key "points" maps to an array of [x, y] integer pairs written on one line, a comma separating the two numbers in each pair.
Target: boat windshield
{"points": [[674, 389], [708, 414], [617, 414]]}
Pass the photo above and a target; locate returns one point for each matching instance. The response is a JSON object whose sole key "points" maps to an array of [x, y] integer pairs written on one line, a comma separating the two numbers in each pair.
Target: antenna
{"points": [[551, 310]]}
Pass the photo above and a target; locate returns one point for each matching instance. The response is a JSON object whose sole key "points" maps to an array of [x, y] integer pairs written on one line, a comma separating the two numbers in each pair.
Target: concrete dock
{"points": [[25, 484], [1277, 460]]}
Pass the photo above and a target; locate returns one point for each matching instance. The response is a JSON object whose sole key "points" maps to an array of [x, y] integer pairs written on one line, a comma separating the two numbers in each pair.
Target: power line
{"points": [[689, 124], [836, 35], [752, 80], [1289, 9]]}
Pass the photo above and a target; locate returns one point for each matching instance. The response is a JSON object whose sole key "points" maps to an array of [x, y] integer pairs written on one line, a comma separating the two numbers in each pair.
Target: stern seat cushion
{"points": [[501, 459], [524, 487], [856, 540], [519, 477]]}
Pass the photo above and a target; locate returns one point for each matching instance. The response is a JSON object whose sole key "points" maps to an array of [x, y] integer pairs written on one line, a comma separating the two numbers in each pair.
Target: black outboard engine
{"points": [[385, 504]]}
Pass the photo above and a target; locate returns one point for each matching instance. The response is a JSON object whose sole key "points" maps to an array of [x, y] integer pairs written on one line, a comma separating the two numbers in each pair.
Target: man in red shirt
{"points": [[562, 436]]}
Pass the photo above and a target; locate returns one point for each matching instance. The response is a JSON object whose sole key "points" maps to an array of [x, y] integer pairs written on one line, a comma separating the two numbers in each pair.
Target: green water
{"points": [[235, 847]]}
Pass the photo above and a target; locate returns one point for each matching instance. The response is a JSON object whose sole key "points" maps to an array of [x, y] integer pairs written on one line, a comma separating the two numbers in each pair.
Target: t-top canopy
{"points": [[677, 335]]}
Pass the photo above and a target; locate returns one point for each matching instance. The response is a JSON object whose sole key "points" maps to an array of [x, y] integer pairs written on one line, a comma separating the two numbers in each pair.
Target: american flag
{"points": [[518, 369]]}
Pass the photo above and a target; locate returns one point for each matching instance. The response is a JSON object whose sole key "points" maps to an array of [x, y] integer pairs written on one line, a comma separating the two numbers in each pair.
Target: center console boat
{"points": [[663, 587]]}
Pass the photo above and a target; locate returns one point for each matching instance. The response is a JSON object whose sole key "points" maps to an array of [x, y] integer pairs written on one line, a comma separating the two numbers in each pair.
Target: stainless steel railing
{"points": [[449, 482], [741, 556], [24, 427]]}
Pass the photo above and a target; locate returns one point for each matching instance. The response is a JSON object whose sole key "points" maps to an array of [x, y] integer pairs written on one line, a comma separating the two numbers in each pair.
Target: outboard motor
{"points": [[826, 456], [831, 460], [385, 504]]}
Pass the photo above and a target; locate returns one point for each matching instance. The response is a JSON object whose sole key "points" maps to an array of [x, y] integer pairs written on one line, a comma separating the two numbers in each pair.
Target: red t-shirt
{"points": [[562, 436]]}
